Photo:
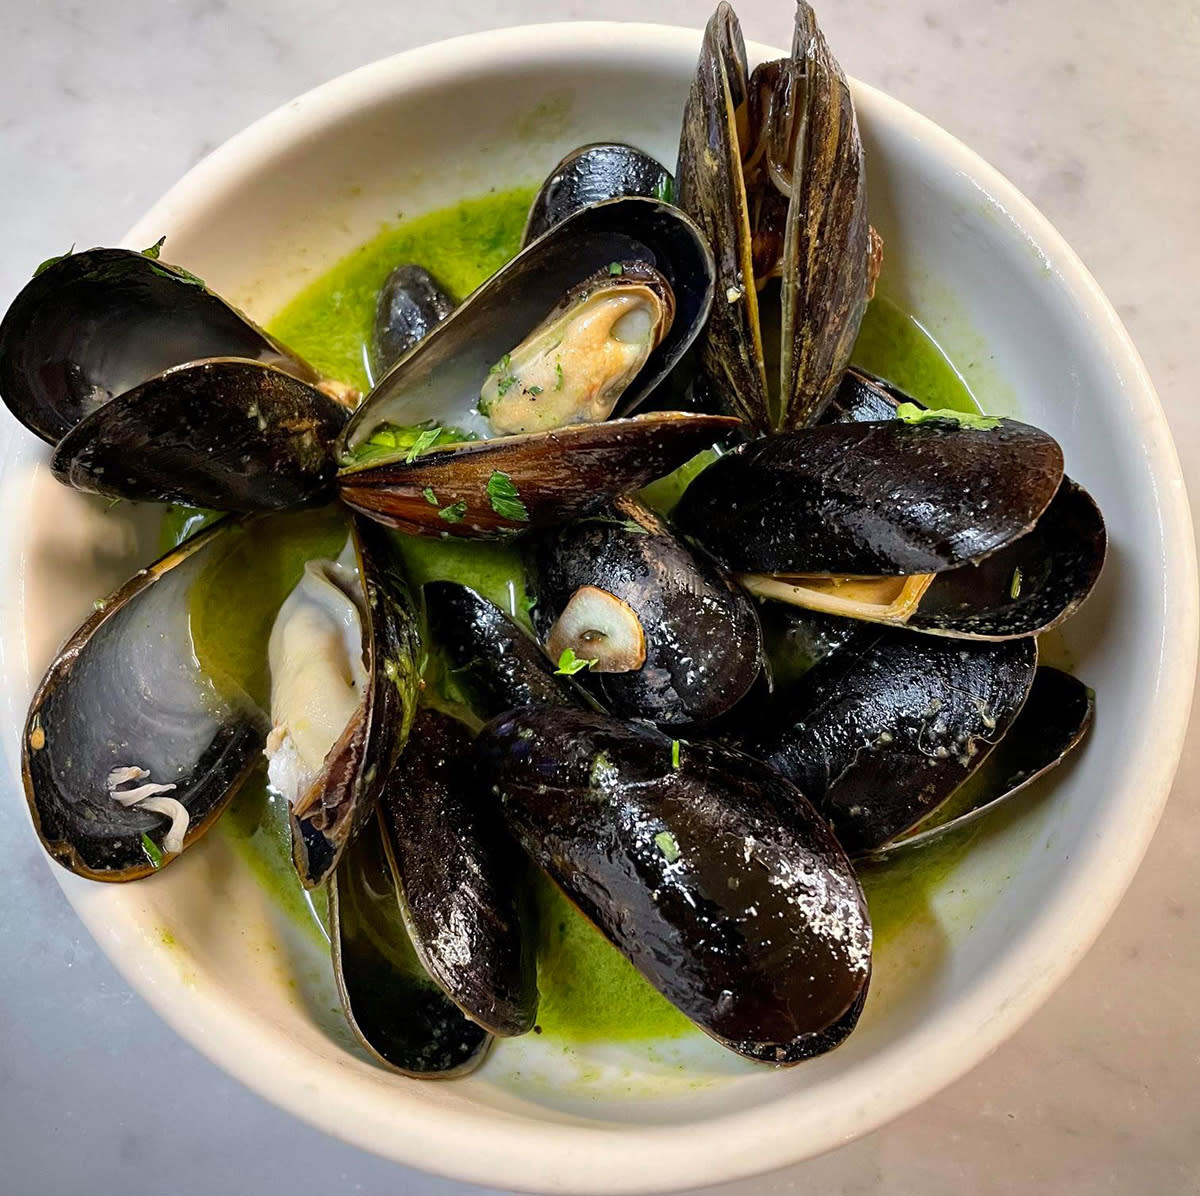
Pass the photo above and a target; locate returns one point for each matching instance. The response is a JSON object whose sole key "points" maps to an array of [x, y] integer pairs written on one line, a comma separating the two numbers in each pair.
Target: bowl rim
{"points": [[549, 1156]]}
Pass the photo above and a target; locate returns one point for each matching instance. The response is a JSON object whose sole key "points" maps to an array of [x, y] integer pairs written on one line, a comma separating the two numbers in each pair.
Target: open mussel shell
{"points": [[127, 695], [702, 642], [456, 872], [1053, 722], [882, 731], [550, 477], [440, 380], [771, 168], [1032, 585], [411, 304], [874, 498], [94, 325], [227, 434], [592, 174], [706, 869], [393, 1006], [344, 794], [498, 663]]}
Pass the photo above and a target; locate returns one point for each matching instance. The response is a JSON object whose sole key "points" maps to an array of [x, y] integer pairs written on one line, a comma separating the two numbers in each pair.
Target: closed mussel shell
{"points": [[883, 497], [410, 305], [393, 1006], [591, 174], [706, 869], [457, 873], [703, 644], [497, 662], [882, 731]]}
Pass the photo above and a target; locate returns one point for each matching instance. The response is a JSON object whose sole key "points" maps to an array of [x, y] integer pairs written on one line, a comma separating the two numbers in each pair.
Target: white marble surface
{"points": [[1091, 107]]}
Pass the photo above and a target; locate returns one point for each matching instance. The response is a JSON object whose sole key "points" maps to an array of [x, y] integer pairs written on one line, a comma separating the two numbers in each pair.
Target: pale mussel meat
{"points": [[152, 387], [345, 672], [708, 870], [627, 284]]}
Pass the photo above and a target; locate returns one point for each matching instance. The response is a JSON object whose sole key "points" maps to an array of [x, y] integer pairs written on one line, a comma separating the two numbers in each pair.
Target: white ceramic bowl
{"points": [[1006, 296]]}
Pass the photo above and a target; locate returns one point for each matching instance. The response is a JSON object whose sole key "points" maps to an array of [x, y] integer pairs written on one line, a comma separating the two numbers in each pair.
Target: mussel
{"points": [[669, 638], [1056, 717], [707, 869], [152, 387], [499, 664], [393, 1006], [952, 524], [592, 174], [345, 672], [628, 284], [411, 304], [883, 730], [771, 168], [131, 749], [457, 875]]}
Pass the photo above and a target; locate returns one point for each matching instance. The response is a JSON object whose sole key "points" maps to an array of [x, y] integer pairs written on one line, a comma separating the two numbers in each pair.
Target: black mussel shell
{"points": [[440, 380], [231, 435], [394, 1008], [1056, 717], [591, 174], [126, 692], [94, 325], [549, 477], [345, 793], [771, 167], [456, 874], [706, 869], [498, 663], [880, 733], [1027, 588], [411, 304], [885, 497], [1030, 586], [702, 637]]}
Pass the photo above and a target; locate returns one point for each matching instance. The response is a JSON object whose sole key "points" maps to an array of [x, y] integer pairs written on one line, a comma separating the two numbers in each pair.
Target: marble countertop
{"points": [[1091, 107]]}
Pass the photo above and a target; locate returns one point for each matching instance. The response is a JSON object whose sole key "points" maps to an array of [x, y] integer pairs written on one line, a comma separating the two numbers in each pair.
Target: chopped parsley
{"points": [[674, 753], [506, 384], [534, 391], [615, 269], [569, 664], [1014, 590], [153, 852], [664, 189], [529, 602], [505, 500], [507, 378], [429, 496], [155, 250], [910, 413], [53, 261], [558, 375], [665, 842], [393, 442], [454, 513]]}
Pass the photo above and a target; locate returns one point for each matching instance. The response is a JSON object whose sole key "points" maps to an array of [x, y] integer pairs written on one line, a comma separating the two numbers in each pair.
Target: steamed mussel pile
{"points": [[706, 712]]}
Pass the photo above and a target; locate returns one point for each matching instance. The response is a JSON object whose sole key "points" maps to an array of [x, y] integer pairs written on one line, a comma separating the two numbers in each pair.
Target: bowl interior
{"points": [[979, 940]]}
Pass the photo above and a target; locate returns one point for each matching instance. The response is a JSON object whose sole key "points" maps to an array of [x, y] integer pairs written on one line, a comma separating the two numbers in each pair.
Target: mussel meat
{"points": [[344, 678]]}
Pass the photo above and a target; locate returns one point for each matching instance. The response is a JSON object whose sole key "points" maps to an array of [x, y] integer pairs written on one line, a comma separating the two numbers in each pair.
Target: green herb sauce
{"points": [[589, 992]]}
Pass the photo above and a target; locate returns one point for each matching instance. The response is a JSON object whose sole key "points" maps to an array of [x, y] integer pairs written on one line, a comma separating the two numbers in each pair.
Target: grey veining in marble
{"points": [[1091, 107]]}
